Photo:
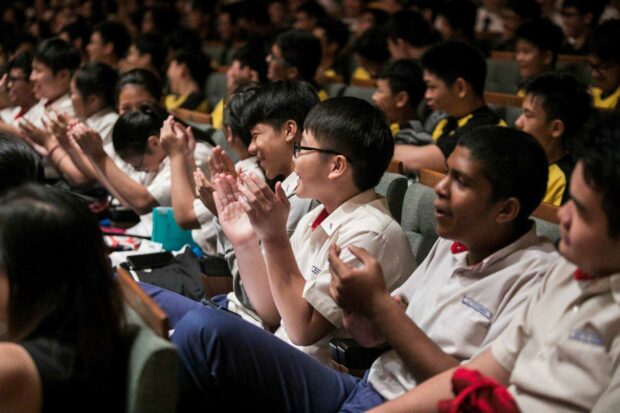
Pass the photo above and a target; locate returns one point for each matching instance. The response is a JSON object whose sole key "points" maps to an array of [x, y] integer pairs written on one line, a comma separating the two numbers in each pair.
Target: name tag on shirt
{"points": [[477, 307], [586, 336], [315, 270]]}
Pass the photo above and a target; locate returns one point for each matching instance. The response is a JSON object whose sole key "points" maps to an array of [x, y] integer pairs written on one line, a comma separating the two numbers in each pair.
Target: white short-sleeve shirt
{"points": [[462, 307], [563, 348], [363, 221]]}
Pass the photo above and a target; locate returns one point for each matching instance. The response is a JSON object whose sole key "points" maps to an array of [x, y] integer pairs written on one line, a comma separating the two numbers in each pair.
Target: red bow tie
{"points": [[457, 247]]}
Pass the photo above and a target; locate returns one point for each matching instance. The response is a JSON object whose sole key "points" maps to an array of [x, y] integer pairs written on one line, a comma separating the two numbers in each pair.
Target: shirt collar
{"points": [[600, 285], [526, 240], [289, 185], [333, 221]]}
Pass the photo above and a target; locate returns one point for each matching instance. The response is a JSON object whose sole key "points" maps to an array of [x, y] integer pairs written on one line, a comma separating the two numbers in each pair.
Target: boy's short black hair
{"points": [[97, 79], [234, 109], [600, 156], [253, 56], [411, 27], [335, 31], [513, 162], [154, 45], [276, 102], [543, 34], [132, 130], [372, 44], [143, 78], [22, 61], [452, 60], [302, 50], [58, 55], [564, 98], [312, 9], [19, 163], [358, 130], [460, 14], [197, 63], [79, 29], [115, 33], [525, 9], [405, 75], [604, 40]]}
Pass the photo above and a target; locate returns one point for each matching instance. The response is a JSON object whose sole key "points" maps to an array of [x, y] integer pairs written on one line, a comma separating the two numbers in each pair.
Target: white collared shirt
{"points": [[103, 122], [462, 307], [363, 221], [42, 108], [563, 348]]}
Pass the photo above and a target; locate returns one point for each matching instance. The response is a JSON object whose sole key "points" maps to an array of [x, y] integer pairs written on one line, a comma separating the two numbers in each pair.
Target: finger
{"points": [[258, 187], [281, 195], [363, 255], [337, 267]]}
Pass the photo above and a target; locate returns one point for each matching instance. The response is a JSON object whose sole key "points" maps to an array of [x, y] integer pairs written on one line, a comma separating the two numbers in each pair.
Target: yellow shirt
{"points": [[395, 128], [610, 102], [173, 102], [217, 116], [322, 95], [557, 183], [361, 74]]}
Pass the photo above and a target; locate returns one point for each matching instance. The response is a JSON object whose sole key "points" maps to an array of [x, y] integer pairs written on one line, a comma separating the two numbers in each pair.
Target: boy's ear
{"points": [[461, 87], [63, 75], [508, 210], [254, 76], [108, 48], [290, 130], [339, 166], [547, 57], [557, 128], [402, 99], [152, 141], [292, 73]]}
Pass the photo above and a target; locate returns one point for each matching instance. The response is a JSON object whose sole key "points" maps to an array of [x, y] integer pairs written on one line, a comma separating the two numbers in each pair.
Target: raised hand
{"points": [[231, 213], [173, 137], [87, 139], [268, 211], [220, 162], [204, 187]]}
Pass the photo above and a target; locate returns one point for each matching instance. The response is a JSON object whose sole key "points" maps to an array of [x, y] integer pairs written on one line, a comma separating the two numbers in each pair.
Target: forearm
{"points": [[82, 161], [304, 325], [182, 193], [63, 161], [425, 396], [415, 158], [422, 357], [130, 193], [253, 273]]}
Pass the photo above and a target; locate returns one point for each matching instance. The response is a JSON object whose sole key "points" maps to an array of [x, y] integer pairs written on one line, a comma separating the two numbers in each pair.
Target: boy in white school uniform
{"points": [[561, 352]]}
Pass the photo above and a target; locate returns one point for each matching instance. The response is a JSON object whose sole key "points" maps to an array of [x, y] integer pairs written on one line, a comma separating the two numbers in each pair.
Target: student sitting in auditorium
{"points": [[295, 55], [92, 97], [335, 62], [454, 74], [62, 310], [537, 47], [53, 66], [400, 89], [135, 137], [561, 352], [248, 65], [148, 51], [604, 62], [514, 14], [457, 301], [109, 43], [555, 109], [187, 74], [273, 118], [578, 19], [370, 53], [21, 95], [455, 20], [409, 35]]}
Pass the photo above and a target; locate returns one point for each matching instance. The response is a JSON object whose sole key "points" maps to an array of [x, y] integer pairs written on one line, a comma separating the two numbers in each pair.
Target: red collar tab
{"points": [[49, 102], [457, 247], [317, 221], [21, 113], [581, 275]]}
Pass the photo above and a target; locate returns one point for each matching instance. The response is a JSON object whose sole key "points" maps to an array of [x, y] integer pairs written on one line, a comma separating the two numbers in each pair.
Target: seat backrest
{"points": [[418, 219], [152, 369], [502, 76], [393, 186], [142, 304], [333, 89], [546, 217], [361, 92], [216, 87]]}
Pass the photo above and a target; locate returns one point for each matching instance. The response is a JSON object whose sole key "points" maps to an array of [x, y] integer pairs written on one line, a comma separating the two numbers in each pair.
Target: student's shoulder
{"points": [[16, 365]]}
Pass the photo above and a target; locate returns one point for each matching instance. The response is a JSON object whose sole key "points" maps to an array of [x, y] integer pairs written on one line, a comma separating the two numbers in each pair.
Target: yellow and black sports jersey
{"points": [[447, 132], [558, 182], [192, 101]]}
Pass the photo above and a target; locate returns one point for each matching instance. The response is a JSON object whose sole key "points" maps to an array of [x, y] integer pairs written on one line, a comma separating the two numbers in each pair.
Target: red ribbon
{"points": [[477, 393], [457, 247]]}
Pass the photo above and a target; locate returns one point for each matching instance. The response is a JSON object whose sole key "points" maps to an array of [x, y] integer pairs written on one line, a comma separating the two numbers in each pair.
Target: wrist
{"points": [[278, 240], [380, 308]]}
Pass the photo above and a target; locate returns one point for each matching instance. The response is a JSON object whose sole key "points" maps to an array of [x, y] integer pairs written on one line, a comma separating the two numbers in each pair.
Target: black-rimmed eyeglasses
{"points": [[298, 148]]}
